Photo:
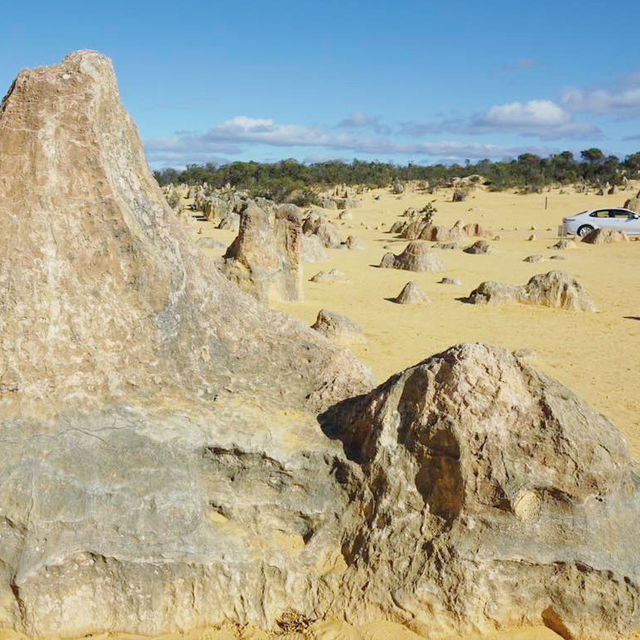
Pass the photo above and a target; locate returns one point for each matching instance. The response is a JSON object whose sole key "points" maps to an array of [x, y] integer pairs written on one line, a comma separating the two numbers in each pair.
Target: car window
{"points": [[601, 213], [625, 215]]}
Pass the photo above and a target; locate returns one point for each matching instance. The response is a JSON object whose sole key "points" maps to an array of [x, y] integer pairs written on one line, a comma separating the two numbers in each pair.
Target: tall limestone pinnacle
{"points": [[101, 290], [165, 467]]}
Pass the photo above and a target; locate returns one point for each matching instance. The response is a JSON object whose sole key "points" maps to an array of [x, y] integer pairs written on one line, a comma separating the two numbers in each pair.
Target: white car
{"points": [[611, 218]]}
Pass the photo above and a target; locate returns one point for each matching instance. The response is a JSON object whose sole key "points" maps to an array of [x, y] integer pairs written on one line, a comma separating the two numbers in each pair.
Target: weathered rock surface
{"points": [[493, 496], [337, 327], [633, 203], [424, 229], [445, 246], [564, 243], [264, 259], [536, 257], [151, 479], [399, 226], [479, 247], [352, 243], [328, 203], [411, 294], [605, 236], [326, 231], [327, 276], [289, 211], [103, 292], [230, 221], [313, 250], [552, 289], [415, 257]]}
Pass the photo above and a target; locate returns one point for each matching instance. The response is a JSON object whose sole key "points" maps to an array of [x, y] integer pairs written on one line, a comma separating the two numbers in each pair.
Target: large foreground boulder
{"points": [[552, 289], [146, 447], [492, 496], [163, 468]]}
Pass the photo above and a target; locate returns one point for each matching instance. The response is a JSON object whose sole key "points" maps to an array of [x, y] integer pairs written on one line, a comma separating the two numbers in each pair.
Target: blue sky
{"points": [[401, 81]]}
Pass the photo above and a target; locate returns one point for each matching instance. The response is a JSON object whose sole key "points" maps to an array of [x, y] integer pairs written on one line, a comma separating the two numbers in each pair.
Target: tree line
{"points": [[292, 179]]}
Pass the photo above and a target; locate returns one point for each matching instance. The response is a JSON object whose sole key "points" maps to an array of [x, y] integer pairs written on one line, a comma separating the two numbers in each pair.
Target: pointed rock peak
{"points": [[103, 292], [411, 294]]}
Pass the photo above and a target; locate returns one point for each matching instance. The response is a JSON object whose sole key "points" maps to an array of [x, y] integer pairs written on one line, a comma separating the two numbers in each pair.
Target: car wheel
{"points": [[584, 229]]}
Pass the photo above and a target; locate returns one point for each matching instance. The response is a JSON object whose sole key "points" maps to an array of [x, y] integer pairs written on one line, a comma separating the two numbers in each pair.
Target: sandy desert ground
{"points": [[595, 354]]}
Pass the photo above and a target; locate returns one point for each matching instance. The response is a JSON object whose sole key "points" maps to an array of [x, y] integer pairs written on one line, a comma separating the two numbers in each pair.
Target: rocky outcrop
{"points": [[460, 194], [327, 202], [564, 243], [411, 294], [337, 327], [326, 231], [479, 247], [605, 236], [352, 242], [327, 276], [552, 289], [415, 257], [445, 246], [399, 226], [424, 229], [230, 221], [633, 204], [492, 496], [264, 259], [313, 250], [476, 229], [289, 211], [136, 385]]}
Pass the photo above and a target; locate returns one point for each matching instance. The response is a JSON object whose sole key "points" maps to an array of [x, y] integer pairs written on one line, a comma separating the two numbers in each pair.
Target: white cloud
{"points": [[543, 118], [623, 99], [239, 133], [601, 101], [536, 113]]}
